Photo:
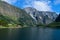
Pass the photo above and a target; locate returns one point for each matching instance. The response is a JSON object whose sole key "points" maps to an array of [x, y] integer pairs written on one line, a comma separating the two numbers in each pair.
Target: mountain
{"points": [[26, 17], [19, 16], [58, 19], [44, 17], [4, 21], [56, 23]]}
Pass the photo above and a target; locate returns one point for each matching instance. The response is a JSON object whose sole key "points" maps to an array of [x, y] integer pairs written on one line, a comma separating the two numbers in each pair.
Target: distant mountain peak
{"points": [[29, 8], [44, 17]]}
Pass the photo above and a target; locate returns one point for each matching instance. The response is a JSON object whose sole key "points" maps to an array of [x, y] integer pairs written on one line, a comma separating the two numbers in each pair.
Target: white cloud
{"points": [[40, 5]]}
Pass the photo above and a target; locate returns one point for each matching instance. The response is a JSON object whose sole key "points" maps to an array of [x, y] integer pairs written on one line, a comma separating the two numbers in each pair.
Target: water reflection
{"points": [[42, 34], [3, 34], [31, 33], [56, 34]]}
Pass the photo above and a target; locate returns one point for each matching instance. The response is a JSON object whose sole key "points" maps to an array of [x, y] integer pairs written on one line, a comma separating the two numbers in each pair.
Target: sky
{"points": [[41, 5]]}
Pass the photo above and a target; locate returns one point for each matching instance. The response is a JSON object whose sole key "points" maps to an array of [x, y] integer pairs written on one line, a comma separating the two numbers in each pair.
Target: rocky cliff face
{"points": [[44, 17]]}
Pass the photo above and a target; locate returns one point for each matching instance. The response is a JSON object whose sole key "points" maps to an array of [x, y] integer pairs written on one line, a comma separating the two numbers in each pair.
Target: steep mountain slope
{"points": [[25, 17], [44, 17], [58, 18], [4, 21], [16, 14], [56, 23]]}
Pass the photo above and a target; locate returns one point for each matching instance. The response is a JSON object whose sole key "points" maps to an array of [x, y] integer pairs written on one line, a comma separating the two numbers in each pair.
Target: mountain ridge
{"points": [[40, 15], [16, 14], [26, 17]]}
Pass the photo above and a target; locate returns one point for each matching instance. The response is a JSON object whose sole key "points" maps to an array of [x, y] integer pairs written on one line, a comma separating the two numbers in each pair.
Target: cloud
{"points": [[42, 6], [39, 5]]}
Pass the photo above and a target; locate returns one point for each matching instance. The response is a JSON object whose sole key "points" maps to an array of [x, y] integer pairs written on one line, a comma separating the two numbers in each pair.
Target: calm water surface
{"points": [[31, 33]]}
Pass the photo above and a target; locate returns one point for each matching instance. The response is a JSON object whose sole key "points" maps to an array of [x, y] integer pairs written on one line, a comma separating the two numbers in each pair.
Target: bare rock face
{"points": [[44, 17]]}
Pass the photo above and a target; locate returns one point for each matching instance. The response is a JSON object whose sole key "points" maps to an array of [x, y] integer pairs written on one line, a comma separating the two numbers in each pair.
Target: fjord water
{"points": [[29, 33]]}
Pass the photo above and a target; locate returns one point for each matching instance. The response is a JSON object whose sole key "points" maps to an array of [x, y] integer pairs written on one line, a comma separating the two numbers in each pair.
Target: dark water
{"points": [[33, 33]]}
